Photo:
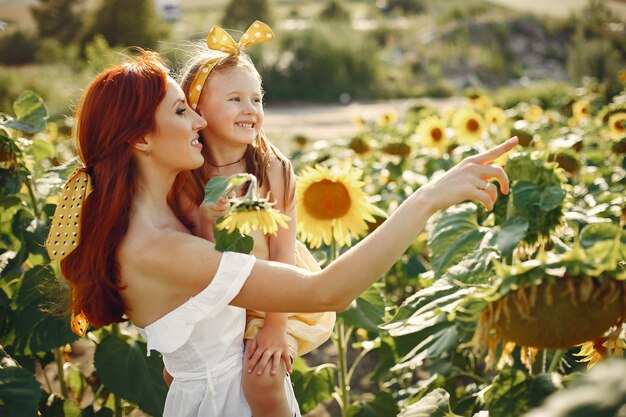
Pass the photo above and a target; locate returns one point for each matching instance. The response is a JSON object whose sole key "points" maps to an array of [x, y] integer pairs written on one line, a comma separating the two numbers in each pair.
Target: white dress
{"points": [[202, 346]]}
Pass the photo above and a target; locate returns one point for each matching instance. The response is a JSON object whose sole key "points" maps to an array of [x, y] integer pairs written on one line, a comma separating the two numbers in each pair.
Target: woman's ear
{"points": [[143, 145]]}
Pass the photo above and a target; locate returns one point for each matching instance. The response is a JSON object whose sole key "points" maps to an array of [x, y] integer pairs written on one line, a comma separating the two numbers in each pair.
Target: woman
{"points": [[128, 256]]}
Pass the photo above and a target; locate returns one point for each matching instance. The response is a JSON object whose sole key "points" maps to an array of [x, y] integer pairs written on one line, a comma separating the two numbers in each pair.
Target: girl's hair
{"points": [[117, 109], [258, 156]]}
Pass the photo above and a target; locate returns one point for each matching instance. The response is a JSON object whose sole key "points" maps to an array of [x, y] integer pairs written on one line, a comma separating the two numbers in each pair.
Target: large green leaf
{"points": [[367, 311], [510, 234], [36, 330], [599, 393], [551, 198], [312, 385], [215, 189], [19, 393], [126, 371], [593, 233], [513, 392], [232, 242], [41, 150], [30, 113], [429, 343], [383, 405], [433, 404], [11, 181], [455, 233]]}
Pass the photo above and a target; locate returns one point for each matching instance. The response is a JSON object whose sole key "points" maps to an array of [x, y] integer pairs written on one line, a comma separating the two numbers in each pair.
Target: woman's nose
{"points": [[199, 122]]}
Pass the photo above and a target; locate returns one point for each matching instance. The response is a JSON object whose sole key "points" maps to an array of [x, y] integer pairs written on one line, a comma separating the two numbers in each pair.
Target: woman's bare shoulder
{"points": [[170, 258]]}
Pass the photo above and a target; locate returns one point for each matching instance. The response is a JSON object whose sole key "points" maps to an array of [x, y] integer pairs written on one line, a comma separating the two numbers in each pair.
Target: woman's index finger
{"points": [[494, 153]]}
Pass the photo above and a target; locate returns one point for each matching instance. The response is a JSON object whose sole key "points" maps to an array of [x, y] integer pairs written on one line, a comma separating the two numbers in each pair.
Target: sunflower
{"points": [[431, 132], [331, 205], [596, 350], [469, 126], [481, 102], [617, 125], [581, 109], [495, 116], [389, 117], [247, 215], [533, 113]]}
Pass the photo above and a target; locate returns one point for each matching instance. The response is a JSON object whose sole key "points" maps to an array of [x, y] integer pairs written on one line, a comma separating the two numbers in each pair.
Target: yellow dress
{"points": [[305, 331]]}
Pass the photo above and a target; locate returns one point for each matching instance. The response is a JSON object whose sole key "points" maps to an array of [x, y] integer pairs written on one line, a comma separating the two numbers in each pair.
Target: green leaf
{"points": [[429, 343], [19, 393], [382, 405], [526, 196], [599, 393], [312, 385], [5, 313], [36, 330], [594, 233], [513, 392], [434, 404], [232, 242], [126, 371], [41, 150], [11, 181], [455, 233], [30, 113], [551, 198], [215, 188], [510, 234], [367, 311]]}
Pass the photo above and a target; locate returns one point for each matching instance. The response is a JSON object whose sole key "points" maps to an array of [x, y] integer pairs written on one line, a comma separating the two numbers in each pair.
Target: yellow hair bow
{"points": [[64, 234], [220, 40]]}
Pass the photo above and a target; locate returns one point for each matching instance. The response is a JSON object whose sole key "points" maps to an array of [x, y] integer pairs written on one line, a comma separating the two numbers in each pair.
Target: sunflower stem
{"points": [[556, 360], [58, 357], [340, 340]]}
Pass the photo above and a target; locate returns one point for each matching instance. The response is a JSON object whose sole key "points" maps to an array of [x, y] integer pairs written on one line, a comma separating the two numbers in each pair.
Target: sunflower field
{"points": [[514, 312]]}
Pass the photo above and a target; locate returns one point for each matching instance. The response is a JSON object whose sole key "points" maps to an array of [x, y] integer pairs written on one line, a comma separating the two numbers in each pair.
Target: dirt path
{"points": [[330, 121], [559, 8]]}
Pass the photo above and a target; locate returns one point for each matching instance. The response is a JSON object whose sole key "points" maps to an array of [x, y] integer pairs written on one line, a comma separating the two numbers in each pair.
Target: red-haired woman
{"points": [[137, 260]]}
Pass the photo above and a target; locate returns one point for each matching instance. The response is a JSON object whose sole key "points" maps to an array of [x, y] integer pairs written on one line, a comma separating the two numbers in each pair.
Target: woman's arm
{"points": [[347, 277], [187, 264]]}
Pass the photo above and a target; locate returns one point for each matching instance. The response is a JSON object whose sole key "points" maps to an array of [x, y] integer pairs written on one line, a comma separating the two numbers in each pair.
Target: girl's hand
{"points": [[470, 180], [209, 213], [268, 347]]}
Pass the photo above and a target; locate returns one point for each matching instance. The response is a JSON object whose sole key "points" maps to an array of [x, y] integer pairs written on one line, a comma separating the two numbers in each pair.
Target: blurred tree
{"points": [[127, 23], [401, 7], [17, 48], [239, 14], [58, 19], [333, 10]]}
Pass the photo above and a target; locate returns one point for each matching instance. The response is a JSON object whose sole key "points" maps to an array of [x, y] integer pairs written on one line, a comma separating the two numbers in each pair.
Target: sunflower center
{"points": [[436, 134], [472, 125], [620, 125], [326, 200]]}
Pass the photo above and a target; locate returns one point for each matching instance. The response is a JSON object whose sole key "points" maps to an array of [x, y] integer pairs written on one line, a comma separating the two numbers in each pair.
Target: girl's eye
{"points": [[235, 99], [180, 110]]}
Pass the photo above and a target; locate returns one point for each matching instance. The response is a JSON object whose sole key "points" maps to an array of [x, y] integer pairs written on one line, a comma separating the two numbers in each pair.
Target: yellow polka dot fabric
{"points": [[220, 40], [64, 234]]}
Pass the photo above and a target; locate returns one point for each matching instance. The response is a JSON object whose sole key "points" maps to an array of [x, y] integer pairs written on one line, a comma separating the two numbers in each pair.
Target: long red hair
{"points": [[117, 109]]}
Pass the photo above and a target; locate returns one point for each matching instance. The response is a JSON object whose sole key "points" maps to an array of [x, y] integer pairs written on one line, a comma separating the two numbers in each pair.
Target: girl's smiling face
{"points": [[232, 105]]}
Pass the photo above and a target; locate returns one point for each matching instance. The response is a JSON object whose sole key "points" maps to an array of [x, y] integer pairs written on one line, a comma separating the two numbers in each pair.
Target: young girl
{"points": [[128, 256], [224, 87]]}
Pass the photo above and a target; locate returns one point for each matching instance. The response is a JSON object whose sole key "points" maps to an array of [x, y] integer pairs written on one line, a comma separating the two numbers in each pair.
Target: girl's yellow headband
{"points": [[219, 40]]}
